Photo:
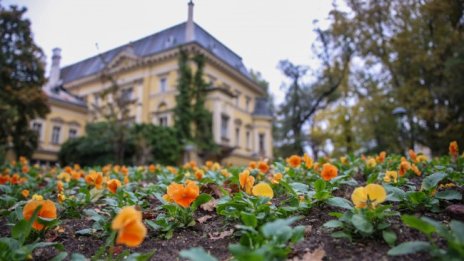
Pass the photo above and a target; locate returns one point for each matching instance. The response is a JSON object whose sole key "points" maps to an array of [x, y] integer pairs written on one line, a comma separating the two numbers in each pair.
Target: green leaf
{"points": [[394, 194], [341, 234], [458, 230], [362, 224], [78, 257], [140, 256], [449, 195], [85, 231], [249, 219], [21, 230], [372, 178], [340, 202], [419, 224], [333, 224], [431, 181], [299, 188], [389, 237], [409, 248], [319, 185], [271, 228], [197, 254], [203, 198], [61, 256]]}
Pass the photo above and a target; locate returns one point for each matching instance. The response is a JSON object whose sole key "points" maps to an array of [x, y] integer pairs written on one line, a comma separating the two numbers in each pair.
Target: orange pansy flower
{"points": [[16, 179], [276, 178], [199, 174], [131, 230], [263, 167], [404, 167], [25, 193], [94, 179], [416, 170], [113, 185], [183, 195], [329, 171], [454, 149], [4, 179], [412, 155], [381, 157], [124, 170], [246, 181], [48, 211], [59, 186], [152, 168], [308, 161], [68, 169], [252, 165], [294, 161]]}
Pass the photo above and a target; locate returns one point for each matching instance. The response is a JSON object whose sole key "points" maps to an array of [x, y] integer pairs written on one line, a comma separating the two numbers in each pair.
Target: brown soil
{"points": [[201, 235]]}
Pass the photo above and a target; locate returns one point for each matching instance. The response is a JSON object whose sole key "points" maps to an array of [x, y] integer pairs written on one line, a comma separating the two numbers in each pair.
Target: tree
{"points": [[413, 50], [114, 108], [303, 100], [192, 121], [183, 110], [21, 80], [160, 145]]}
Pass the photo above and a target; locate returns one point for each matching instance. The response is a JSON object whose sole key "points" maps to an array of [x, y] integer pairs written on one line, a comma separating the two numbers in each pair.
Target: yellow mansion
{"points": [[147, 71]]}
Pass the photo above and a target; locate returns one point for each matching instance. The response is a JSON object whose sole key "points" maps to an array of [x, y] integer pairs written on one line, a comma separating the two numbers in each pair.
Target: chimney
{"points": [[189, 32], [55, 69]]}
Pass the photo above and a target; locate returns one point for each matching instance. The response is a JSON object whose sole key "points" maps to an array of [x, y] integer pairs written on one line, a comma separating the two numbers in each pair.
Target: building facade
{"points": [[147, 72]]}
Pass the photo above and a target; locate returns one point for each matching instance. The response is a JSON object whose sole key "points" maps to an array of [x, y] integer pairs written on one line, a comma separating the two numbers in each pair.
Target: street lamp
{"points": [[400, 115]]}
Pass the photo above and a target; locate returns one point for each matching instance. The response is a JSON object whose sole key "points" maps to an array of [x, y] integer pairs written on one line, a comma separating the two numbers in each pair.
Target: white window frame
{"points": [[40, 131], [58, 138], [247, 103], [76, 132], [163, 84], [262, 143], [237, 136], [225, 126], [248, 139]]}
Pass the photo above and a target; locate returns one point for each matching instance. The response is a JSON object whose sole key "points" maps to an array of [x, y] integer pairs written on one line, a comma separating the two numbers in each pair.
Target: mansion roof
{"points": [[156, 43]]}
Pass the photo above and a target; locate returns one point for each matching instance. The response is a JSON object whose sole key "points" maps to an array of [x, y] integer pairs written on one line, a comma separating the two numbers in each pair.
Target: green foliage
{"points": [[453, 235], [17, 246], [176, 216], [96, 148], [364, 222], [197, 254], [192, 121], [21, 80], [409, 54], [249, 209], [270, 242]]}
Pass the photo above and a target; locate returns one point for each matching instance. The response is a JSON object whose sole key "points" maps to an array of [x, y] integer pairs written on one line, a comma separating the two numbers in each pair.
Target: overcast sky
{"points": [[262, 32]]}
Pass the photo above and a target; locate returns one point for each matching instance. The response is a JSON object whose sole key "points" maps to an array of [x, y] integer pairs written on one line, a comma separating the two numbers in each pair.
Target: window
{"points": [[37, 127], [56, 134], [237, 137], [163, 121], [248, 101], [126, 94], [163, 84], [96, 98], [248, 142], [261, 144], [237, 98], [72, 133], [224, 126]]}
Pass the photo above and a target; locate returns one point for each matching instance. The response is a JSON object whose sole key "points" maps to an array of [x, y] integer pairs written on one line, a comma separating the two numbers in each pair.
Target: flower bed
{"points": [[384, 206]]}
